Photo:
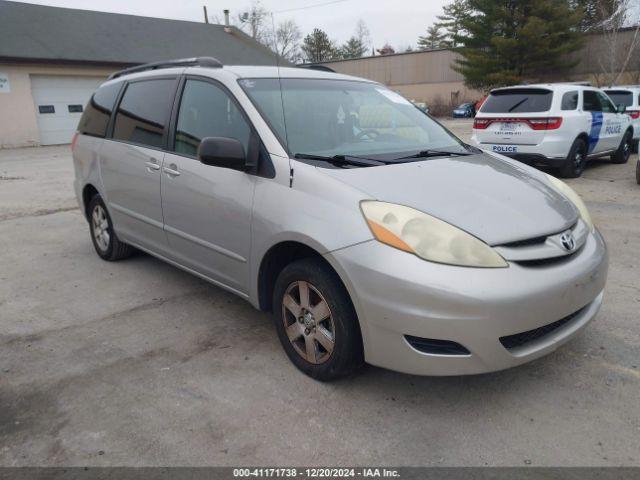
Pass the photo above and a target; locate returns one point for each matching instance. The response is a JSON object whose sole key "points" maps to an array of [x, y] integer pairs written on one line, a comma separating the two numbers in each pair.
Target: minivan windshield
{"points": [[518, 100], [332, 118]]}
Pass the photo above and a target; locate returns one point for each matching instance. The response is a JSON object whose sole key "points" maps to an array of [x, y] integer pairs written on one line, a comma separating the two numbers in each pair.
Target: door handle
{"points": [[152, 165], [171, 170]]}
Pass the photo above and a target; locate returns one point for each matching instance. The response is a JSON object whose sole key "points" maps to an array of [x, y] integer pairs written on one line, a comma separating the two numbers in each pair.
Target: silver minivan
{"points": [[369, 231]]}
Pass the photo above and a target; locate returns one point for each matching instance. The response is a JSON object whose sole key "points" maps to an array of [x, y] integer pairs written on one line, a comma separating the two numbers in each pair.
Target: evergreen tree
{"points": [[353, 48], [317, 47], [433, 39], [504, 43], [595, 12], [358, 45], [452, 21]]}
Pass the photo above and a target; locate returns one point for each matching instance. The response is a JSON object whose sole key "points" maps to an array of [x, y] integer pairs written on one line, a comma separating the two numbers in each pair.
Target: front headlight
{"points": [[427, 237], [574, 198]]}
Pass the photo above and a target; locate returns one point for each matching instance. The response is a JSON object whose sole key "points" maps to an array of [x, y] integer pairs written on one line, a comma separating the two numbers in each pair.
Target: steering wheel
{"points": [[371, 134]]}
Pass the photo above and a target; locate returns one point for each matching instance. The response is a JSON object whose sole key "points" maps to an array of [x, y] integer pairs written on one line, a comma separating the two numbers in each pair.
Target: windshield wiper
{"points": [[517, 105], [342, 159], [434, 153]]}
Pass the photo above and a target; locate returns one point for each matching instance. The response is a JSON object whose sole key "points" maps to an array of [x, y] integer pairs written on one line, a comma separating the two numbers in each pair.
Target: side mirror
{"points": [[222, 152], [621, 108]]}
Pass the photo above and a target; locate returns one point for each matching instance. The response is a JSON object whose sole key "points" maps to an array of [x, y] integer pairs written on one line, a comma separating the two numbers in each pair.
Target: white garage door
{"points": [[59, 102]]}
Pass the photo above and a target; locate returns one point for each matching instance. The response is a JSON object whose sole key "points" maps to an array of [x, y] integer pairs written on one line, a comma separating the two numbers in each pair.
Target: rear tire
{"points": [[624, 150], [576, 160], [107, 244], [638, 171], [316, 322]]}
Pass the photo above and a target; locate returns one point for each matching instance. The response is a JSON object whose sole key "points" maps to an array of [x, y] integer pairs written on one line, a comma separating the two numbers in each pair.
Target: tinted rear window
{"points": [[569, 101], [620, 97], [144, 111], [96, 116], [518, 100]]}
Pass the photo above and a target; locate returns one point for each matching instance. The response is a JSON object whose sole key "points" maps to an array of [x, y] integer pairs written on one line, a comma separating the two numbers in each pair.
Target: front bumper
{"points": [[397, 294]]}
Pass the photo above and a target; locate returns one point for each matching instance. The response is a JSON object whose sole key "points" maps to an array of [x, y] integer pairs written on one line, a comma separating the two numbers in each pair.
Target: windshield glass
{"points": [[518, 100], [338, 117], [620, 97]]}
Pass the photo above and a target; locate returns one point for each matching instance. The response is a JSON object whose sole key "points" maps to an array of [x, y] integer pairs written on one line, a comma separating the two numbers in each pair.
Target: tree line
{"points": [[286, 39], [512, 41], [500, 42]]}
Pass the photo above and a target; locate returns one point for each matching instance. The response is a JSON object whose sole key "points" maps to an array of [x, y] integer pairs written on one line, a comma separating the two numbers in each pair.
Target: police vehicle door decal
{"points": [[594, 134]]}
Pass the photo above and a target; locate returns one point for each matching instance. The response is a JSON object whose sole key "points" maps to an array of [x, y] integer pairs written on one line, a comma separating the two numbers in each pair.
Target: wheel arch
{"points": [[583, 136], [88, 192], [275, 260]]}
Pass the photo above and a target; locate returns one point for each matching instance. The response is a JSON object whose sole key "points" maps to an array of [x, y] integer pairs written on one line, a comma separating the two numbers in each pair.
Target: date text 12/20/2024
{"points": [[315, 473]]}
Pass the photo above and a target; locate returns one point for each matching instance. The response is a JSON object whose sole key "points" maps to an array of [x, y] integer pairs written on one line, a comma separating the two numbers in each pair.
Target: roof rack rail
{"points": [[209, 62], [580, 83], [321, 68]]}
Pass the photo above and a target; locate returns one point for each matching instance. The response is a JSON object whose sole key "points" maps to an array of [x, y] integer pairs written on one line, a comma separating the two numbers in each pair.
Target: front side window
{"points": [[518, 100], [144, 111], [341, 117], [591, 101], [207, 111], [607, 106], [96, 116], [569, 101]]}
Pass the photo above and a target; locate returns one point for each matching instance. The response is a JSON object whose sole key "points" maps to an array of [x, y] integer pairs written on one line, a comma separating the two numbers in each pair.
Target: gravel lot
{"points": [[139, 363]]}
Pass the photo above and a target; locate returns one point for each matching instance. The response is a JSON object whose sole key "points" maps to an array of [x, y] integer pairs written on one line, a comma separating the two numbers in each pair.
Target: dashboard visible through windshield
{"points": [[342, 118]]}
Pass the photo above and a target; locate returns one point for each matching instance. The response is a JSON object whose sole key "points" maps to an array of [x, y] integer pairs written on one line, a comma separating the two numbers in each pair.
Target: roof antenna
{"points": [[206, 16], [284, 117]]}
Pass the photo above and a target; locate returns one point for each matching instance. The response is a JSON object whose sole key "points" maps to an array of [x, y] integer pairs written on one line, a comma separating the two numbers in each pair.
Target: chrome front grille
{"points": [[550, 249]]}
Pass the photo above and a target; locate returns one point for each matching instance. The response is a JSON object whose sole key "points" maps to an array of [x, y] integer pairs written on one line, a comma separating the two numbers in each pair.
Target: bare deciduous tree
{"points": [[285, 40], [620, 45], [362, 34], [255, 21]]}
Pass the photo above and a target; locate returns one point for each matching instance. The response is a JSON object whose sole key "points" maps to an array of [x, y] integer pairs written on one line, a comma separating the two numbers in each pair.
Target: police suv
{"points": [[629, 96], [554, 125]]}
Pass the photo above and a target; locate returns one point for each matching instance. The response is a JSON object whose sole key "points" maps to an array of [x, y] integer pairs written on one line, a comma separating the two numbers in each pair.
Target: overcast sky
{"points": [[398, 22]]}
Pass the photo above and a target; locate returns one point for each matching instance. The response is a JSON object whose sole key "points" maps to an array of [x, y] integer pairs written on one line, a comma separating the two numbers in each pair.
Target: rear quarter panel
{"points": [[86, 162]]}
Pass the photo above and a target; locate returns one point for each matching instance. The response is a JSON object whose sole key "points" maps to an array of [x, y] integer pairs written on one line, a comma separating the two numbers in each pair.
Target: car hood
{"points": [[498, 201]]}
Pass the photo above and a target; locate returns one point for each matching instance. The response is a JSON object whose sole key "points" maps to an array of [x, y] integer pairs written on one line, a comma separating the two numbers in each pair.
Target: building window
{"points": [[46, 109], [75, 108]]}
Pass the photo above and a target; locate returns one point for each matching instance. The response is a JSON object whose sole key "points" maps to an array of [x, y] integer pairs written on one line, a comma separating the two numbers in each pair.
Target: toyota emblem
{"points": [[567, 240]]}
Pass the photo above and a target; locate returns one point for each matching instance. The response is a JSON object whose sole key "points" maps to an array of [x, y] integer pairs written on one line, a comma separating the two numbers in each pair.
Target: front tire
{"points": [[105, 241], [624, 150], [634, 147], [576, 160], [316, 322], [638, 171]]}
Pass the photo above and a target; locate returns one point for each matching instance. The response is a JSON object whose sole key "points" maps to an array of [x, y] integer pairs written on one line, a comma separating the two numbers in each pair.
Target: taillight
{"points": [[551, 123], [481, 123], [635, 114], [74, 140]]}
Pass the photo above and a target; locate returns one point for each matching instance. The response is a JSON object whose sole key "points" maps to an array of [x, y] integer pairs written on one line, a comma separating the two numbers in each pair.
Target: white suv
{"points": [[553, 125], [629, 96]]}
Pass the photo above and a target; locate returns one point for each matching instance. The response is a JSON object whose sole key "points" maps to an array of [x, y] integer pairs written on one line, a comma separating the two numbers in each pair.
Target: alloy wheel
{"points": [[626, 148], [578, 159], [308, 322], [100, 226]]}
